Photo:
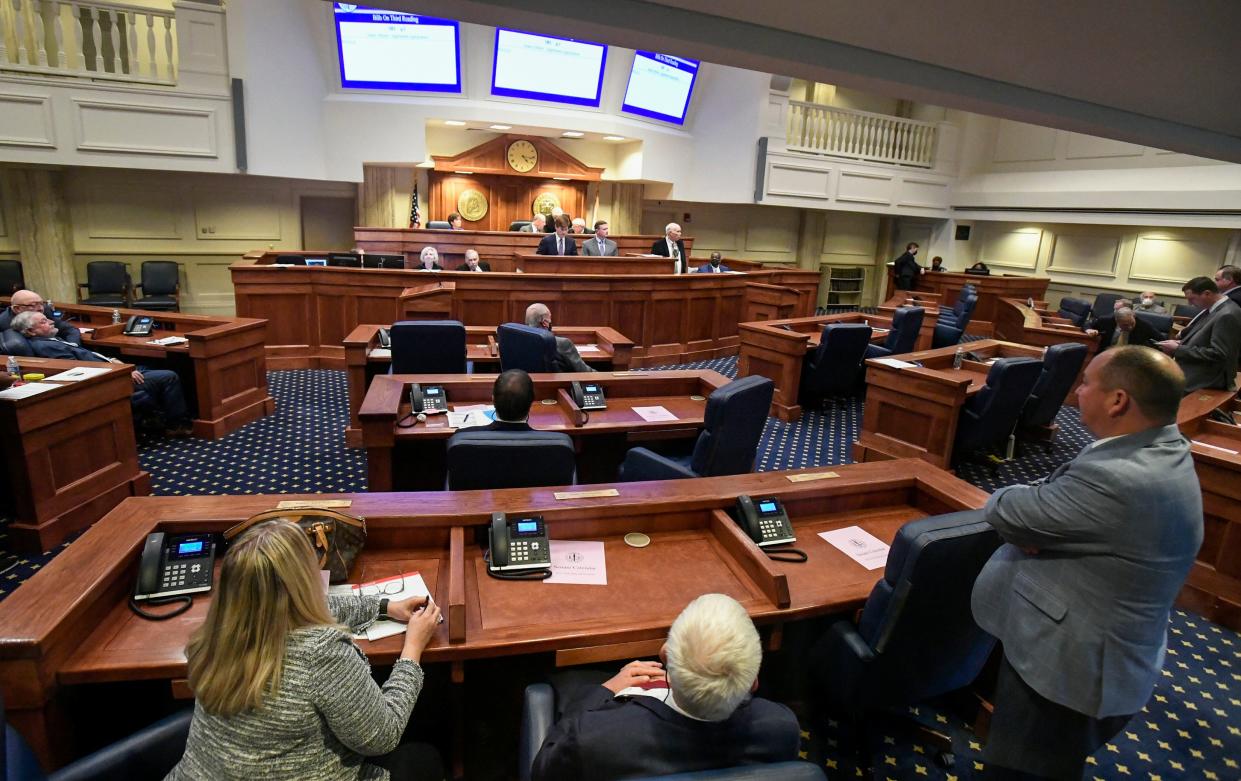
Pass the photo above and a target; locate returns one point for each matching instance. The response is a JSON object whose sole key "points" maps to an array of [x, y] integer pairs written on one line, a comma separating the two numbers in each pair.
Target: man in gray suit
{"points": [[600, 245], [567, 357], [1094, 556], [1207, 348], [536, 224]]}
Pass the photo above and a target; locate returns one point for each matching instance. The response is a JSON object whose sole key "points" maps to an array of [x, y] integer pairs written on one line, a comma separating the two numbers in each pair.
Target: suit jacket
{"points": [[1235, 295], [906, 270], [567, 357], [590, 246], [660, 247], [1209, 349], [548, 245], [502, 425], [49, 347], [1141, 334], [529, 228], [601, 738], [1084, 621], [705, 268], [64, 330], [482, 264]]}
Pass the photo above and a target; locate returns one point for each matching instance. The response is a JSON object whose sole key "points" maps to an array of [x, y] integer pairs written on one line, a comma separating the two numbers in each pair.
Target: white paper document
{"points": [[654, 414], [578, 562], [29, 389], [78, 374], [858, 544], [588, 348], [471, 415], [895, 363], [168, 341], [394, 589], [381, 352]]}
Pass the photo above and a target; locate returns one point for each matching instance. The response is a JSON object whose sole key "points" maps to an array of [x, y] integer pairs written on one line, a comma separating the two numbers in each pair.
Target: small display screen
{"points": [[527, 527], [316, 261], [190, 548], [767, 506], [592, 388], [433, 391]]}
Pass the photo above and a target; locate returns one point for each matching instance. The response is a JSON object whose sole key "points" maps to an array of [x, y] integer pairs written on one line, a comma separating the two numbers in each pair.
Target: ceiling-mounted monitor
{"points": [[389, 50], [660, 86], [546, 67]]}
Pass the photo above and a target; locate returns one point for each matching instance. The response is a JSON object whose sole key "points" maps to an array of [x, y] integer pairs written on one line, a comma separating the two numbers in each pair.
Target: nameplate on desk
{"points": [[312, 504], [806, 478], [602, 492]]}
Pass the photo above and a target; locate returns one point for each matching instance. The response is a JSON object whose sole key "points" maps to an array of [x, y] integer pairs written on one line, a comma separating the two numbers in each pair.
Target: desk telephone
{"points": [[588, 395], [519, 548], [429, 400], [385, 339], [172, 568], [139, 325], [767, 523]]}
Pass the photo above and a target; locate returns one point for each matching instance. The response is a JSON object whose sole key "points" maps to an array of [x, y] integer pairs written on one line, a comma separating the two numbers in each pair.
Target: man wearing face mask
{"points": [[567, 357], [1147, 303], [906, 268], [714, 267]]}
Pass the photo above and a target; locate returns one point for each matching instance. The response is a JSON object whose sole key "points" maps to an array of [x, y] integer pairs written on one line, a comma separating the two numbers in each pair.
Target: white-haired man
{"points": [[429, 260], [671, 246], [692, 710], [537, 223], [567, 357], [30, 301]]}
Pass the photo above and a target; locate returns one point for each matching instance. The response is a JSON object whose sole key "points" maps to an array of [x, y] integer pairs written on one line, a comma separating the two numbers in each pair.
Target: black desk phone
{"points": [[139, 325], [588, 395], [385, 339], [765, 520], [171, 568], [519, 543], [428, 400]]}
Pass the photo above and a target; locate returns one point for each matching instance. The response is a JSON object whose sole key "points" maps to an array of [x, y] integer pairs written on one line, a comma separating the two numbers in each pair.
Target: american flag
{"points": [[414, 222]]}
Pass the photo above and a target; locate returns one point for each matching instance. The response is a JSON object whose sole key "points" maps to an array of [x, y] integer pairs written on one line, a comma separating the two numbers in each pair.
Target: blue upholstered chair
{"points": [[442, 225], [1185, 310], [1103, 304], [833, 370], [951, 324], [13, 343], [428, 347], [1061, 363], [904, 334], [1161, 323], [1075, 309], [149, 753], [161, 286], [107, 284], [916, 638], [517, 225], [527, 348], [733, 424], [480, 459], [989, 416], [538, 713], [12, 278]]}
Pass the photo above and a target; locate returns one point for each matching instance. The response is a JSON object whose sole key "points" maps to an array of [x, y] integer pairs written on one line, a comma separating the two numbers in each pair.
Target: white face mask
{"points": [[1147, 301]]}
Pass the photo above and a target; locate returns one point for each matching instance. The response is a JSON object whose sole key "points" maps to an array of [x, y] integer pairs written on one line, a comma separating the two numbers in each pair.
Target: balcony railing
{"points": [[826, 130], [92, 40]]}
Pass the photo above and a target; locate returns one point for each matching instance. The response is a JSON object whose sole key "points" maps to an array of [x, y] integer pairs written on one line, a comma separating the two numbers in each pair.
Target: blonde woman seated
{"points": [[429, 260], [281, 690]]}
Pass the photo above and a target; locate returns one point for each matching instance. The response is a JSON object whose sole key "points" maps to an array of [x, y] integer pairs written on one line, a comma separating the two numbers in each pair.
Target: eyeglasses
{"points": [[31, 305]]}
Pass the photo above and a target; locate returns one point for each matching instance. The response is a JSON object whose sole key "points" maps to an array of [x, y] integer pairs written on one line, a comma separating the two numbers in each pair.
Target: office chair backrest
{"points": [[1061, 363], [989, 417], [527, 348], [12, 277], [13, 343], [428, 347], [733, 424], [480, 459], [442, 225], [517, 225], [981, 272], [1185, 310], [1074, 309], [905, 326], [292, 260], [969, 288], [159, 277], [344, 259], [835, 366], [1161, 323], [106, 276], [1103, 304], [967, 302]]}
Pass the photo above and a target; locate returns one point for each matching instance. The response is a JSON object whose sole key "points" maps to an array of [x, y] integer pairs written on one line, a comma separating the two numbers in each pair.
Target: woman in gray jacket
{"points": [[282, 691]]}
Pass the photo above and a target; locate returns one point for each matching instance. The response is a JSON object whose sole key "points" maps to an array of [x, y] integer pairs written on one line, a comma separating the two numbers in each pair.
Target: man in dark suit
{"points": [[1228, 280], [1121, 328], [671, 246], [714, 266], [560, 242], [1207, 348], [512, 394], [30, 301], [567, 357], [692, 710], [1094, 557], [159, 387], [472, 263], [599, 244], [906, 269]]}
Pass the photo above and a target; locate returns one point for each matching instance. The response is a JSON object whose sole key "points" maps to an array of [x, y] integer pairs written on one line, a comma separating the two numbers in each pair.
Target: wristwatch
{"points": [[383, 608]]}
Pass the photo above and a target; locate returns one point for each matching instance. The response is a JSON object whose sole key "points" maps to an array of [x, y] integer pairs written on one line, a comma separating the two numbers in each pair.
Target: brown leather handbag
{"points": [[336, 537]]}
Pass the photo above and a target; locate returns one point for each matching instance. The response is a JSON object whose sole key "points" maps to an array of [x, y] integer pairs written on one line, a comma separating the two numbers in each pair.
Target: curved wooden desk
{"points": [[991, 289], [69, 625]]}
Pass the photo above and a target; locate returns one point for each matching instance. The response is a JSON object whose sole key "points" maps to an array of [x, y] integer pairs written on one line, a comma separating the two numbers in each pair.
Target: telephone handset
{"points": [[139, 325], [519, 547], [385, 339], [428, 400], [765, 520], [588, 395], [172, 568]]}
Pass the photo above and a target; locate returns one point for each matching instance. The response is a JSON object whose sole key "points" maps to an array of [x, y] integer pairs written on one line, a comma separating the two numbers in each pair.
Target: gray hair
{"points": [[713, 655], [535, 314], [24, 321], [538, 218], [434, 253], [670, 226], [1124, 312], [468, 251]]}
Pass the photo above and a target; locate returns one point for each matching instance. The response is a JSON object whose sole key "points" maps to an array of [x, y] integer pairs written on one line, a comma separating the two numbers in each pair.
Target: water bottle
{"points": [[957, 358], [13, 368], [1030, 302], [116, 316]]}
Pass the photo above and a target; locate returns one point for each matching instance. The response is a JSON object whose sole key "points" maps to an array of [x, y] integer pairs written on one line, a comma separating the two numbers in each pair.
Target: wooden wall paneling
{"points": [[383, 196]]}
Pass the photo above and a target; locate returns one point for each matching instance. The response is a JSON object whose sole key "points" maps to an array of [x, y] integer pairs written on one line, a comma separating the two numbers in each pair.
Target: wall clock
{"points": [[522, 156]]}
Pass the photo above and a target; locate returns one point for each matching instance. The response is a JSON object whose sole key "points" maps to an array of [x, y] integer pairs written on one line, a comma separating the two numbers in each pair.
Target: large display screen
{"points": [[660, 86], [396, 51], [545, 67]]}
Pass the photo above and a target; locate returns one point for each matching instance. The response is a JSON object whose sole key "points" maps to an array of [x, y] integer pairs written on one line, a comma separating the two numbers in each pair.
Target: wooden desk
{"points": [[770, 349], [913, 412], [222, 364], [69, 454], [990, 290], [364, 361], [1017, 322], [414, 458], [531, 263], [69, 625]]}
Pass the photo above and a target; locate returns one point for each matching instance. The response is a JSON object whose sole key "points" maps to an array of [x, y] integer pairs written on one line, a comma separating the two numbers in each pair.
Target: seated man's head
{"points": [[513, 393], [1148, 297], [538, 221], [1129, 389], [33, 324], [539, 316], [26, 301], [579, 225], [471, 258], [716, 258], [712, 657]]}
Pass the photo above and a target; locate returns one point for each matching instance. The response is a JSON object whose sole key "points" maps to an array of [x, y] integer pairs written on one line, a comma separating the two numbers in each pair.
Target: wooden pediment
{"points": [[491, 157]]}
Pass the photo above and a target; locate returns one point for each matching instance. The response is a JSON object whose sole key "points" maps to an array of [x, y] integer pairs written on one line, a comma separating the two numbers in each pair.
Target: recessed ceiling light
{"points": [[454, 122], [501, 127], [613, 138], [571, 134]]}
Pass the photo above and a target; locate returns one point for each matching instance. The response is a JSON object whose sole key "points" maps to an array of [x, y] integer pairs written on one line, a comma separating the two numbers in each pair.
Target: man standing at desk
{"points": [[1207, 347], [30, 301], [671, 246], [560, 242], [600, 245], [905, 269], [567, 357], [1094, 557]]}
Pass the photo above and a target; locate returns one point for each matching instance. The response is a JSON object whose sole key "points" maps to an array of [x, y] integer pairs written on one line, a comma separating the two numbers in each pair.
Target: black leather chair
{"points": [[107, 284], [527, 348], [916, 637], [538, 713], [1075, 309], [344, 259], [833, 370], [428, 347], [479, 459], [291, 260], [1061, 363], [988, 418], [906, 323], [12, 277], [442, 225], [517, 225], [952, 324], [13, 343], [161, 286], [1103, 305], [980, 272], [1185, 310], [375, 260], [733, 425], [149, 753], [1161, 323]]}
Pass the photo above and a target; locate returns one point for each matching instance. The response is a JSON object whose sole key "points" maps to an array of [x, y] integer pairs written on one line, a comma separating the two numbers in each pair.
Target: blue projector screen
{"points": [[544, 67], [660, 86], [396, 51]]}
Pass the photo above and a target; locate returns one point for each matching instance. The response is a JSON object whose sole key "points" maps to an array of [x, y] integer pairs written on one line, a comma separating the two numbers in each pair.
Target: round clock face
{"points": [[522, 156]]}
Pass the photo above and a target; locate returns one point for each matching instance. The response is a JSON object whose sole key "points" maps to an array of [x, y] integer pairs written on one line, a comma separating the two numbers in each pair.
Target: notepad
{"points": [[168, 341], [27, 390], [895, 363], [78, 374], [858, 544], [588, 348], [654, 414], [393, 589]]}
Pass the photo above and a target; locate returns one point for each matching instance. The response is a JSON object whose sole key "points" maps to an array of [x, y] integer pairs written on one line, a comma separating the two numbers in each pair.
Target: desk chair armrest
{"points": [[538, 711], [643, 464], [148, 753], [876, 351]]}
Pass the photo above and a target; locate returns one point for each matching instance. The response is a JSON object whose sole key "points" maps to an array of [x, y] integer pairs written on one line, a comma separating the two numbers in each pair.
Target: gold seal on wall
{"points": [[472, 205], [545, 202]]}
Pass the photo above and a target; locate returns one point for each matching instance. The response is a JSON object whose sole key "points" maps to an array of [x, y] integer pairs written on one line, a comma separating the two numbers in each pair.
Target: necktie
{"points": [[601, 246], [559, 246], [1190, 325]]}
